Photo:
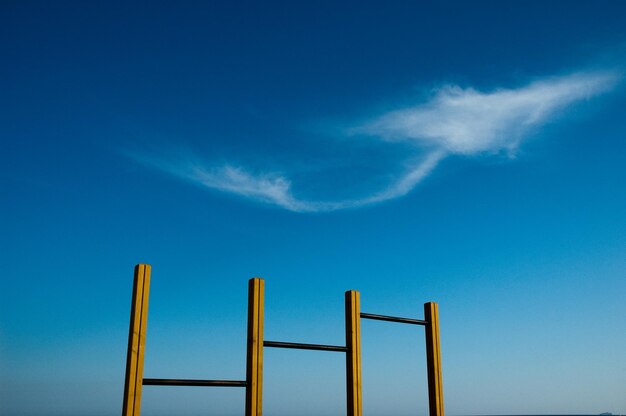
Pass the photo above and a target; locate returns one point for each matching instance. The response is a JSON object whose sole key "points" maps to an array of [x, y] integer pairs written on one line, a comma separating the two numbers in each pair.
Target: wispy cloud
{"points": [[455, 121], [269, 188], [275, 189], [467, 121]]}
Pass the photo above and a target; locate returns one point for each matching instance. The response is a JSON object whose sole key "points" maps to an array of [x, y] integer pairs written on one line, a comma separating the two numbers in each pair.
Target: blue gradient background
{"points": [[526, 257]]}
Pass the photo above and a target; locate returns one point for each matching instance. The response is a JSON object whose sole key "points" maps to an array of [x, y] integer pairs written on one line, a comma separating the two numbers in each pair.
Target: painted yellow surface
{"points": [[254, 363], [353, 355], [433, 358], [136, 341]]}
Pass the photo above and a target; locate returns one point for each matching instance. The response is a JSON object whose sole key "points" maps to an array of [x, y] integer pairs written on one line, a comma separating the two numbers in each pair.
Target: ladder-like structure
{"points": [[254, 365]]}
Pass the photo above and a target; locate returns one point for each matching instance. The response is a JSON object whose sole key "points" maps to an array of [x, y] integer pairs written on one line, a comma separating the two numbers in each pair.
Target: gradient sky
{"points": [[471, 154]]}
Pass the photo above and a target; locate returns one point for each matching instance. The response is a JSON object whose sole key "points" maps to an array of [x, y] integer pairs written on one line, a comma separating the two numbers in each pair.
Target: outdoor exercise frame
{"points": [[253, 383]]}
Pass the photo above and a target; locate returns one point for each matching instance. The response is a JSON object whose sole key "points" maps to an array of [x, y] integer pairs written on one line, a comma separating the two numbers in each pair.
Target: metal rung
{"points": [[393, 319], [298, 346], [179, 382]]}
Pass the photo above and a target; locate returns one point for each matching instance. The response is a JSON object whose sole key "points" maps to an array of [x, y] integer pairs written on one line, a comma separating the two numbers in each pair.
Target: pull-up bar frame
{"points": [[255, 343]]}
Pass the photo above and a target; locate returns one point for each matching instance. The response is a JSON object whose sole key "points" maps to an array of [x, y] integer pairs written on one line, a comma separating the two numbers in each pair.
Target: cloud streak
{"points": [[455, 120], [275, 189], [467, 121]]}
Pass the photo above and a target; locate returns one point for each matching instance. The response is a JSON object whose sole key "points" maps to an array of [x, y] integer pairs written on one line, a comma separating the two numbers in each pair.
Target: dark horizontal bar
{"points": [[393, 319], [178, 382], [276, 344]]}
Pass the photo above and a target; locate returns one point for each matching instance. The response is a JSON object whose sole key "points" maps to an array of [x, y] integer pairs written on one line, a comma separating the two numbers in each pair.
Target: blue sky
{"points": [[468, 154]]}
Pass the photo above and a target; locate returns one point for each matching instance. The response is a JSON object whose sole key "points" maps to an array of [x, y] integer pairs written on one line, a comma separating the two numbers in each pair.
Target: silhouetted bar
{"points": [[393, 319], [206, 383], [298, 346]]}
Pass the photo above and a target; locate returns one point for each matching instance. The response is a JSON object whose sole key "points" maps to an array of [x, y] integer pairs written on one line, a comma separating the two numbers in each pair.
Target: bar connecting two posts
{"points": [[256, 343]]}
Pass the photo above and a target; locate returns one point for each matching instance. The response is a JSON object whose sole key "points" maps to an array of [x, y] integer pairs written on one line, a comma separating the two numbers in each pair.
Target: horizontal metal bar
{"points": [[206, 383], [298, 346], [393, 319]]}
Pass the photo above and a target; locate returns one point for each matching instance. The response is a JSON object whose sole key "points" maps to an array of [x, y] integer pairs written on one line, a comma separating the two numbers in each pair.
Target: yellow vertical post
{"points": [[353, 355], [433, 358], [136, 341], [254, 362]]}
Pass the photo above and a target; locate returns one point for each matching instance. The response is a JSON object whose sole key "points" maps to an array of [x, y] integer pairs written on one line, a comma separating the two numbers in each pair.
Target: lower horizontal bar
{"points": [[393, 319], [294, 345], [206, 383]]}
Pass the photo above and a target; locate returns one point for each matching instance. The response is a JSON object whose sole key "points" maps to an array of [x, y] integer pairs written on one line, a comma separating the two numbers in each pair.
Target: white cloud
{"points": [[275, 189], [405, 183], [454, 121], [467, 121], [269, 188]]}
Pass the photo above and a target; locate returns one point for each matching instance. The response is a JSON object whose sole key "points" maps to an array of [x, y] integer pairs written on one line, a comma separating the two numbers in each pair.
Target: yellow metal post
{"points": [[433, 358], [353, 355], [136, 341], [254, 362]]}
